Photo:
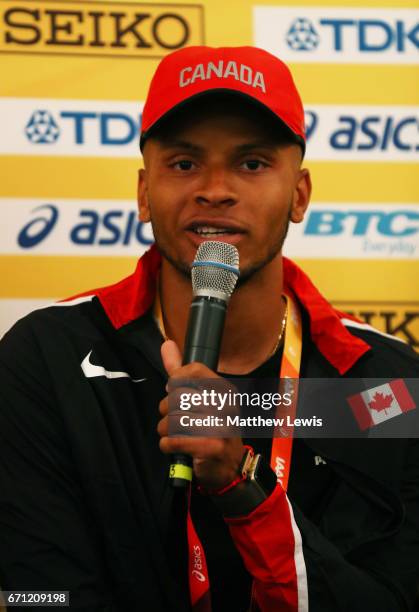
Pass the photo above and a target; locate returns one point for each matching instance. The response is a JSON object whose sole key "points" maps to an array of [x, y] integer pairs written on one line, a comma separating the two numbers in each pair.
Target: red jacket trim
{"points": [[134, 295], [328, 333], [270, 545]]}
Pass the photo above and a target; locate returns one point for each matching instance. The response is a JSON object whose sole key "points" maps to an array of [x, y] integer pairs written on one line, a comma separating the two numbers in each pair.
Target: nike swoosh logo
{"points": [[90, 370]]}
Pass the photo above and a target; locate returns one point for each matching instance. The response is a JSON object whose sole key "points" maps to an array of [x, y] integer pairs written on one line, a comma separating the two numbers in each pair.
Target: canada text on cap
{"points": [[257, 75]]}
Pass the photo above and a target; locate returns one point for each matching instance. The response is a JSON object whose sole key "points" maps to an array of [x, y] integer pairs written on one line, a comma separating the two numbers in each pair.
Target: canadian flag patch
{"points": [[376, 405]]}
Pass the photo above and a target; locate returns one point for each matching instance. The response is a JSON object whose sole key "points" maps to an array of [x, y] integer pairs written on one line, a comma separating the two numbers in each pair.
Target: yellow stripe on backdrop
{"points": [[61, 276]]}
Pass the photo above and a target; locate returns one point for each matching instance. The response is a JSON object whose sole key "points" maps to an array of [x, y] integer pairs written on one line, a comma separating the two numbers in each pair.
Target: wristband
{"points": [[244, 466], [249, 492]]}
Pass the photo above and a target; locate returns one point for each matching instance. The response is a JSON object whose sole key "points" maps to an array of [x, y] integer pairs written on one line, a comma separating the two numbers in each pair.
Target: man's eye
{"points": [[253, 164], [183, 164]]}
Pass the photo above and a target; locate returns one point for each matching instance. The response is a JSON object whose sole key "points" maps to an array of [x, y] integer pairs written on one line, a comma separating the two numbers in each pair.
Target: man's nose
{"points": [[216, 188]]}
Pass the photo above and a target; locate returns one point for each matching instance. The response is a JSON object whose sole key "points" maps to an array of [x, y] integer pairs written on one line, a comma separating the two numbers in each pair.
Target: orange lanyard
{"points": [[289, 375], [198, 578], [199, 585]]}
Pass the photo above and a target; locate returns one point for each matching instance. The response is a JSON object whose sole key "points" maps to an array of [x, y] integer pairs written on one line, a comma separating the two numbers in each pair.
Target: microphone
{"points": [[215, 271]]}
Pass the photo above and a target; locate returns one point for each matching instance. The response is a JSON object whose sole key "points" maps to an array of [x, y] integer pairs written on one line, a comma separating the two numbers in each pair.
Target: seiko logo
{"points": [[102, 28], [222, 70]]}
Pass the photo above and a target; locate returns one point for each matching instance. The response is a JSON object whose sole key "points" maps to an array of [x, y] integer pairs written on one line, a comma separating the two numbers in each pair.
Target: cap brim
{"points": [[293, 137]]}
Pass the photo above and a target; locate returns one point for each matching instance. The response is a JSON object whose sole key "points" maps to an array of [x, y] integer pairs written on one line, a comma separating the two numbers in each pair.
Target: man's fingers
{"points": [[163, 427], [176, 400], [172, 359]]}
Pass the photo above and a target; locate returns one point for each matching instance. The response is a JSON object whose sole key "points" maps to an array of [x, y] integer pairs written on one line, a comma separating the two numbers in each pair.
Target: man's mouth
{"points": [[206, 231]]}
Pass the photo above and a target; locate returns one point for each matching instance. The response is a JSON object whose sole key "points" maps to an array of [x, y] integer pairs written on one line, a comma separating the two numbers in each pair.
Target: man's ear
{"points": [[301, 198], [142, 197]]}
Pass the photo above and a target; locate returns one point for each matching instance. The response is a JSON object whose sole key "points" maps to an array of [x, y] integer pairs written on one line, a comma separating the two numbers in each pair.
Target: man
{"points": [[86, 502]]}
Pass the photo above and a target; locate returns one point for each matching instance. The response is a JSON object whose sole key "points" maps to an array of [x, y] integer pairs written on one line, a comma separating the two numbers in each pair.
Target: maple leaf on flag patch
{"points": [[374, 406], [381, 402]]}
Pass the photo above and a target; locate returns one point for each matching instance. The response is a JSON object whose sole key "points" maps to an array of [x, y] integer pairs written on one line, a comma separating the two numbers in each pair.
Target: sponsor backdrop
{"points": [[74, 78]]}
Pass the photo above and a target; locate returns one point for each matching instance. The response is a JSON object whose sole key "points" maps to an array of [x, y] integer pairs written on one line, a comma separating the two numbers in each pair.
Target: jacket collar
{"points": [[327, 331], [133, 296]]}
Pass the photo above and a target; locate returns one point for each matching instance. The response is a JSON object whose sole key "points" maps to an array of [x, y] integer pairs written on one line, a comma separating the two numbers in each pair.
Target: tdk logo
{"points": [[302, 35], [109, 128], [370, 34], [66, 228], [351, 35], [89, 128], [42, 128]]}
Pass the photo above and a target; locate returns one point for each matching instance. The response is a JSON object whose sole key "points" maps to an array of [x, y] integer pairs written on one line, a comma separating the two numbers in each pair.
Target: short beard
{"points": [[245, 274], [180, 266]]}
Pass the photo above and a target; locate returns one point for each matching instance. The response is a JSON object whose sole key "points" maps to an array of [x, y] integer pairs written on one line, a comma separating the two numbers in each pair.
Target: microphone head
{"points": [[215, 270]]}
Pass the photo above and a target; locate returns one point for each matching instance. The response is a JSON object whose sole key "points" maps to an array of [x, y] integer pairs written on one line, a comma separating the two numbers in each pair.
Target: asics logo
{"points": [[198, 575]]}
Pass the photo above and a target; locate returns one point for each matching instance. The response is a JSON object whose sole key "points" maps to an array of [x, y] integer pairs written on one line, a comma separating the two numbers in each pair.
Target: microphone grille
{"points": [[215, 269]]}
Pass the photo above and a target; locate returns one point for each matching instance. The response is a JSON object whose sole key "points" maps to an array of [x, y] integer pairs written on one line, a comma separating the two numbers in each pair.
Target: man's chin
{"points": [[247, 272], [180, 266]]}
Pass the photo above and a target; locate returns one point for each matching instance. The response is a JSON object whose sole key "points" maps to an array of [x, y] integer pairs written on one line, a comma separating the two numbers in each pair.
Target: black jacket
{"points": [[84, 498]]}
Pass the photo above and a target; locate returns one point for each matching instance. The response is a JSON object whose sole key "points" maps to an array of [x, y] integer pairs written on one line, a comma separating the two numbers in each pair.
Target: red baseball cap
{"points": [[253, 73]]}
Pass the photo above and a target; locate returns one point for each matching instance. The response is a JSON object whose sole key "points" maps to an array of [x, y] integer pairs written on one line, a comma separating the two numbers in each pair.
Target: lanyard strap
{"points": [[198, 577], [289, 375], [199, 585]]}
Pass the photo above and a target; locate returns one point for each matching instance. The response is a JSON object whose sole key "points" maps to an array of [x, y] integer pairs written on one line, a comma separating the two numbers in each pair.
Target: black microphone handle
{"points": [[205, 331], [202, 344]]}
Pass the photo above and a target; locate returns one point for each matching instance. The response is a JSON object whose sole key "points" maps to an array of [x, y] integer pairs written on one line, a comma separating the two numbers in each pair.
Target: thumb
{"points": [[170, 354]]}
